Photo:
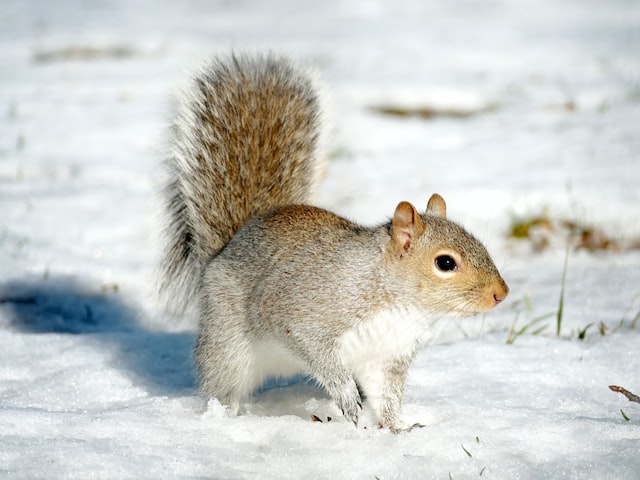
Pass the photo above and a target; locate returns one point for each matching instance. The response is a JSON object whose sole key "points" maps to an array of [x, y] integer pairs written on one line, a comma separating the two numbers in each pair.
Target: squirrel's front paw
{"points": [[350, 403], [403, 427]]}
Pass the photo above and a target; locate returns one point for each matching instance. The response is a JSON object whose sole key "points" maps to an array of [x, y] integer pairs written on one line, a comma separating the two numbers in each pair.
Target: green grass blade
{"points": [[561, 305]]}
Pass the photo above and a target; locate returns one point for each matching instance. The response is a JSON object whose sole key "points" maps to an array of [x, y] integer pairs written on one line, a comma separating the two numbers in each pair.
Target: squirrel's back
{"points": [[245, 141]]}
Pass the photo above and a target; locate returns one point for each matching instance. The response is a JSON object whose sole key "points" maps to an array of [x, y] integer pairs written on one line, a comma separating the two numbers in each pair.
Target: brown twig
{"points": [[632, 397]]}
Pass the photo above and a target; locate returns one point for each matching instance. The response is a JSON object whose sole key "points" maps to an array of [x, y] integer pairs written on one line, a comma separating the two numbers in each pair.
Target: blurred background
{"points": [[523, 114]]}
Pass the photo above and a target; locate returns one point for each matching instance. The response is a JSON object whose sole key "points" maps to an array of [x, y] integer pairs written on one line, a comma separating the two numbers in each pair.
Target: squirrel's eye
{"points": [[445, 263]]}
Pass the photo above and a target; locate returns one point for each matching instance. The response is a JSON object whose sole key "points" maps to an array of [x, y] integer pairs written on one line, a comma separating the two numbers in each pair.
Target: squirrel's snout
{"points": [[501, 293]]}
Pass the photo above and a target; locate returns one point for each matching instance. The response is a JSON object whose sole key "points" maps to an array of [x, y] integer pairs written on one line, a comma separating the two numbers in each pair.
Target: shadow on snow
{"points": [[160, 360]]}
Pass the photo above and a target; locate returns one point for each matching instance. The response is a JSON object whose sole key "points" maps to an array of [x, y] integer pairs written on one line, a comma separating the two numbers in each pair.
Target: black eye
{"points": [[445, 263]]}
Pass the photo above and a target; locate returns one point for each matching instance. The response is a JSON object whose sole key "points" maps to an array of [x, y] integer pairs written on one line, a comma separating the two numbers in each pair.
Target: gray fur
{"points": [[284, 288]]}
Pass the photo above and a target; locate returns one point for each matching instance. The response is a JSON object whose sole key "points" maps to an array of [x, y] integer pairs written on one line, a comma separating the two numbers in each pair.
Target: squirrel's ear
{"points": [[436, 206], [406, 227]]}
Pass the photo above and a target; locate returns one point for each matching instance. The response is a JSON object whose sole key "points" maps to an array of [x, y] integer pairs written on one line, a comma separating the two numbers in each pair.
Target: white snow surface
{"points": [[96, 378]]}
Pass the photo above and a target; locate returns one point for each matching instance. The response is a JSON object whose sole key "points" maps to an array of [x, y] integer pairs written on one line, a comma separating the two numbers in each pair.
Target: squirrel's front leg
{"points": [[348, 399], [330, 373], [383, 386]]}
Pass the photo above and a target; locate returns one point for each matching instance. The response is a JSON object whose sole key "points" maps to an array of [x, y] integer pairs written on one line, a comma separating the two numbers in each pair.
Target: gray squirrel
{"points": [[284, 288]]}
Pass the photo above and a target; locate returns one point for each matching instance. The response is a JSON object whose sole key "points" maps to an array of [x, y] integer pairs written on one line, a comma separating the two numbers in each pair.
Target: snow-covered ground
{"points": [[96, 379]]}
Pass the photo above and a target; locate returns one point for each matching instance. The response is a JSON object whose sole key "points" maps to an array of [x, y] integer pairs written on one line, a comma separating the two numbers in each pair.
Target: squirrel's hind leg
{"points": [[224, 371], [224, 353]]}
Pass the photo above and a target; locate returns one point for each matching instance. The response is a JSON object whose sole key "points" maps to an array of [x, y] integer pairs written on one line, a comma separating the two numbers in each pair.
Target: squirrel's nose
{"points": [[501, 293]]}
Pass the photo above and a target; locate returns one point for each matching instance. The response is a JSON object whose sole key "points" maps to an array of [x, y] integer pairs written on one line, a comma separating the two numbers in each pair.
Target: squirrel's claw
{"points": [[403, 428], [350, 403]]}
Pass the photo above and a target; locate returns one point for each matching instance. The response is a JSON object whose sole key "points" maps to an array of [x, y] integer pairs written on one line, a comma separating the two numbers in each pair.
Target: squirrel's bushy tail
{"points": [[245, 140]]}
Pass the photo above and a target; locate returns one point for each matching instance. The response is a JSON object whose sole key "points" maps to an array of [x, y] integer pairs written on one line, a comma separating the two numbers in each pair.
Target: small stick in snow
{"points": [[632, 397]]}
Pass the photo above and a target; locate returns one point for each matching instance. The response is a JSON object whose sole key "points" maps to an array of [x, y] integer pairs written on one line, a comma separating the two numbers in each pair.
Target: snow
{"points": [[96, 379]]}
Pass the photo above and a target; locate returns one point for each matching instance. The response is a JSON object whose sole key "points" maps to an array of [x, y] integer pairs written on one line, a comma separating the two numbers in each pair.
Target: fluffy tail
{"points": [[245, 140]]}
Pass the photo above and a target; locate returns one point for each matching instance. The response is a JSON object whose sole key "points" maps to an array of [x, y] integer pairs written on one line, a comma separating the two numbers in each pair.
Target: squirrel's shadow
{"points": [[159, 360]]}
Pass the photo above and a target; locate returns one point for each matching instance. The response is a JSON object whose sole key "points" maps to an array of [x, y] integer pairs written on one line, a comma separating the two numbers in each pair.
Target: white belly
{"points": [[393, 333]]}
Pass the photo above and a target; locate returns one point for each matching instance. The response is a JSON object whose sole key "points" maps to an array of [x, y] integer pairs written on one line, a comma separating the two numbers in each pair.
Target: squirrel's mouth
{"points": [[491, 296], [471, 311]]}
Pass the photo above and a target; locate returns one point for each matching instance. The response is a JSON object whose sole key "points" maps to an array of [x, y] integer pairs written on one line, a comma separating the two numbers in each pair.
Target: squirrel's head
{"points": [[439, 264]]}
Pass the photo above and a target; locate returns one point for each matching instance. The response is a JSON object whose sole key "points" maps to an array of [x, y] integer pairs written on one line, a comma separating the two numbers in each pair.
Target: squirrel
{"points": [[284, 288]]}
